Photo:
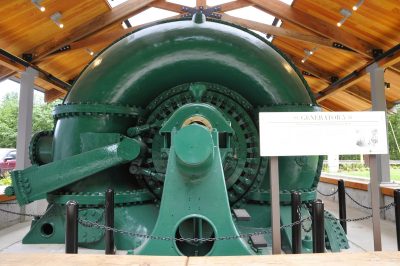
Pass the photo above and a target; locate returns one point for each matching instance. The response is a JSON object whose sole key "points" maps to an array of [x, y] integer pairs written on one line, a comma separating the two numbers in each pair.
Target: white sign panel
{"points": [[320, 133]]}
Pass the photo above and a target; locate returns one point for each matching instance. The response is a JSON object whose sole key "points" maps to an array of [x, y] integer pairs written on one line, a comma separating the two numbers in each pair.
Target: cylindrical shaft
{"points": [[397, 215], [109, 221], [342, 204], [71, 230], [318, 228], [296, 229]]}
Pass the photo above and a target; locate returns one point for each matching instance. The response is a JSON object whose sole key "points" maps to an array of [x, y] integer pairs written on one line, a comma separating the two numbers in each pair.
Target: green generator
{"points": [[168, 118]]}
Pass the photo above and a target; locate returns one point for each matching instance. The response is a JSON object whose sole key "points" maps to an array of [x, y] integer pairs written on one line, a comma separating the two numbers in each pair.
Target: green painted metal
{"points": [[191, 199], [169, 115], [34, 182], [41, 148], [335, 236], [88, 198]]}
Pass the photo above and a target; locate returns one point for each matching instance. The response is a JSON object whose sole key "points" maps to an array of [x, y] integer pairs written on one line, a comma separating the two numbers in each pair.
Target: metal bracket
{"points": [[27, 57], [341, 46], [208, 12], [241, 215]]}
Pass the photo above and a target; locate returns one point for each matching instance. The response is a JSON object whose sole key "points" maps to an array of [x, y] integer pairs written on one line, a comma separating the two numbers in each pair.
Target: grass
{"points": [[394, 173]]}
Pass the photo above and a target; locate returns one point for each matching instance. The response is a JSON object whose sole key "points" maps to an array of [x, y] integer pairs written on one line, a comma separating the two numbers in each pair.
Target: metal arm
{"points": [[35, 182]]}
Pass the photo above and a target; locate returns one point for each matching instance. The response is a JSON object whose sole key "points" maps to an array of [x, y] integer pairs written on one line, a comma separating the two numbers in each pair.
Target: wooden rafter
{"points": [[117, 14], [202, 3], [103, 38], [178, 8], [278, 31], [298, 17], [388, 59], [5, 73], [352, 90], [16, 66], [168, 6], [234, 5]]}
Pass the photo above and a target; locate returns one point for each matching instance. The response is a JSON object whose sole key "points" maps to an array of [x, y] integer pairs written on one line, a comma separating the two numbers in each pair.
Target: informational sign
{"points": [[322, 133]]}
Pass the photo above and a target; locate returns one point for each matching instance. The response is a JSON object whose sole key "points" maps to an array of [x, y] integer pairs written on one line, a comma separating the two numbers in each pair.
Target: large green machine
{"points": [[168, 118]]}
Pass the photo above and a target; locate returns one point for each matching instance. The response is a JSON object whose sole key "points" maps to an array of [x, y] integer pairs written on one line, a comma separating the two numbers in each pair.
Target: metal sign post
{"points": [[275, 206]]}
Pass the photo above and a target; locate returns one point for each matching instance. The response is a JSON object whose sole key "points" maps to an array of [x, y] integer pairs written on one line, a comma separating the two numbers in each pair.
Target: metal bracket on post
{"points": [[275, 205]]}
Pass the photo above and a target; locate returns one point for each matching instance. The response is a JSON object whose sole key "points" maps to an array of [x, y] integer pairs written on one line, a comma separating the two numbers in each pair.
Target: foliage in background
{"points": [[395, 121], [5, 179], [42, 119]]}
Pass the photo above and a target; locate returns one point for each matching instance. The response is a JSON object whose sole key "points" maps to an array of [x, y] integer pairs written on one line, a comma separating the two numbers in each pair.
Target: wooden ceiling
{"points": [[336, 71]]}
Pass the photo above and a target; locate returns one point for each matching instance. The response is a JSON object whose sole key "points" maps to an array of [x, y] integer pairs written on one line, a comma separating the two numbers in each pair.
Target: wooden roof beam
{"points": [[178, 8], [300, 18], [117, 14], [278, 31], [234, 5], [202, 3], [15, 64], [105, 38], [168, 6], [5, 73], [353, 90], [387, 59]]}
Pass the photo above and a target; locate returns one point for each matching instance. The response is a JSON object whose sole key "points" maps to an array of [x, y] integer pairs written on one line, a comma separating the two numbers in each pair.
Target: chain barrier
{"points": [[328, 195], [349, 219], [20, 214], [91, 224], [386, 207], [302, 224]]}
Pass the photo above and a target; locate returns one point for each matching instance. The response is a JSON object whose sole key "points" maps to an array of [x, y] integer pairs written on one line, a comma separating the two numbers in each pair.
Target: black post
{"points": [[318, 228], [296, 229], [396, 195], [71, 230], [342, 204], [109, 220]]}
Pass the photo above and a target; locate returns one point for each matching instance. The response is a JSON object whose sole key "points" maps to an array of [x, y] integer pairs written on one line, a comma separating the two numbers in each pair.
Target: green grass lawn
{"points": [[394, 173]]}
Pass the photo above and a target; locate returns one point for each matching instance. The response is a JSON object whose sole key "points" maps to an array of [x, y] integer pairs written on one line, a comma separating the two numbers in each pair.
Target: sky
{"points": [[153, 14], [8, 86]]}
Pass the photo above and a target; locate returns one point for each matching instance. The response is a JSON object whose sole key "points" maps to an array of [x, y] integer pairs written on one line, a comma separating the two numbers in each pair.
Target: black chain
{"points": [[386, 207], [302, 224], [20, 214], [328, 195], [91, 224], [350, 219]]}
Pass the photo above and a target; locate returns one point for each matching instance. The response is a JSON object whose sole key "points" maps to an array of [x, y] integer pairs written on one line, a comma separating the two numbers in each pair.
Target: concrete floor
{"points": [[359, 234]]}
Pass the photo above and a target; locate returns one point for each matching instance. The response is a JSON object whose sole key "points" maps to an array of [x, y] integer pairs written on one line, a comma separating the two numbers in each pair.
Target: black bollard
{"points": [[71, 230], [396, 195], [318, 228], [109, 220], [296, 229], [342, 204]]}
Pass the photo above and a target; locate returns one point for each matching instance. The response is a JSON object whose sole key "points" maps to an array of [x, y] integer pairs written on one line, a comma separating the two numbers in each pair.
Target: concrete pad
{"points": [[360, 233]]}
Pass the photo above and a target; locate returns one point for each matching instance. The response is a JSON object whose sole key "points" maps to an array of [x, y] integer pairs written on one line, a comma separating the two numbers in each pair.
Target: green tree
{"points": [[395, 125], [41, 119], [8, 120]]}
